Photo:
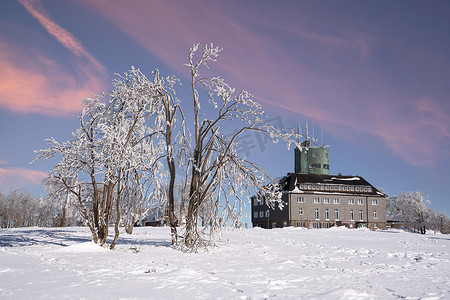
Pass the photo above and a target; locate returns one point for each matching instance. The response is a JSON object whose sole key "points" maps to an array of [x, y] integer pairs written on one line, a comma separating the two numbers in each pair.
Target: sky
{"points": [[371, 77]]}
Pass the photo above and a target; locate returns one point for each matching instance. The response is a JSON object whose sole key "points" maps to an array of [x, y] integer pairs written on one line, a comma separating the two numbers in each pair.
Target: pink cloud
{"points": [[30, 82], [69, 41], [10, 176], [434, 115], [271, 70]]}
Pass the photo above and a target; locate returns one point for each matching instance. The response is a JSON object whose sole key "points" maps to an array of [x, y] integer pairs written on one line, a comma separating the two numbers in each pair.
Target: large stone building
{"points": [[314, 199]]}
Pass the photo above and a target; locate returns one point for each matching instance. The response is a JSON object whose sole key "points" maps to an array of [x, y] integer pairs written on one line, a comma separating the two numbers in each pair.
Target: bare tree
{"points": [[116, 153], [410, 208], [113, 140], [218, 173], [21, 209]]}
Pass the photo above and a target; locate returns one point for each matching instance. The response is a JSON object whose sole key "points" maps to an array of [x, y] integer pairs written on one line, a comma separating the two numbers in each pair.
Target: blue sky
{"points": [[373, 76]]}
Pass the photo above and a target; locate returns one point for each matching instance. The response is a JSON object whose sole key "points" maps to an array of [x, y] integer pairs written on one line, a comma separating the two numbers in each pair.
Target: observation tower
{"points": [[313, 158]]}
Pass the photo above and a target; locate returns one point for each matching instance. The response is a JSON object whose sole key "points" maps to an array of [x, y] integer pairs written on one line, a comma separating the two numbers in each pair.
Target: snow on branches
{"points": [[116, 158]]}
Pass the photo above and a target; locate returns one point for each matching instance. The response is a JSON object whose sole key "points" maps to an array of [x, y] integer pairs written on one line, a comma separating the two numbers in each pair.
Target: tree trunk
{"points": [[106, 212], [171, 166], [129, 229], [62, 222], [116, 227], [171, 214]]}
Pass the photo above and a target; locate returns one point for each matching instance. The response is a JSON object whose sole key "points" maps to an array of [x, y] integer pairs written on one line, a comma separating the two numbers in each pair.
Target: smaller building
{"points": [[323, 201]]}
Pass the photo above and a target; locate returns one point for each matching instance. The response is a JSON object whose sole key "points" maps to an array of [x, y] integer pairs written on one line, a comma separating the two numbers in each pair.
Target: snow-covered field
{"points": [[289, 263]]}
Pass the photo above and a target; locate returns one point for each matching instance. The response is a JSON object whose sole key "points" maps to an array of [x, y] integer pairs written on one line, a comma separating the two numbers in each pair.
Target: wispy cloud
{"points": [[345, 101], [67, 39], [10, 176], [32, 81], [359, 41]]}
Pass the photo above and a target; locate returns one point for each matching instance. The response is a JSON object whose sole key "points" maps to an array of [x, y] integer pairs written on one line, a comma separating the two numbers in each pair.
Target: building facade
{"points": [[323, 201]]}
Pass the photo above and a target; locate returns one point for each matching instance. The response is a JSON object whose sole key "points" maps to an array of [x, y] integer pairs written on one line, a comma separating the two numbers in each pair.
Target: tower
{"points": [[312, 158]]}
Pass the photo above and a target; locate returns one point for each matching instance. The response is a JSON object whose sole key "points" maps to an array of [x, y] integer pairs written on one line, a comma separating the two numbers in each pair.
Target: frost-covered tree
{"points": [[115, 159], [19, 208], [218, 174], [113, 140], [410, 208], [439, 222], [61, 202]]}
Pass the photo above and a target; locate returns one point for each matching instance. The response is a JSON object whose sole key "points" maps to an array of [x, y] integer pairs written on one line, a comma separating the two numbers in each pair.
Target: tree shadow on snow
{"points": [[439, 238], [124, 240], [64, 237], [43, 237]]}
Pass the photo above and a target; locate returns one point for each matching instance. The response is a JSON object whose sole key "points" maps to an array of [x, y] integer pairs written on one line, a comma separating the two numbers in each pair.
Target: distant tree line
{"points": [[412, 210], [19, 208]]}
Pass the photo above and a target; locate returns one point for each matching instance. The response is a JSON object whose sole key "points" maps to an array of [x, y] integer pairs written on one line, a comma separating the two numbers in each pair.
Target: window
{"points": [[316, 213], [326, 200], [361, 201], [255, 202], [261, 214], [316, 225], [314, 154], [357, 188], [375, 214], [327, 214], [274, 224], [301, 224], [341, 188], [352, 216], [300, 211], [326, 167], [255, 214], [267, 213], [375, 226], [300, 200], [374, 201], [336, 214], [361, 218], [308, 187], [352, 188], [336, 201], [327, 187], [284, 224], [316, 200], [351, 201], [314, 166]]}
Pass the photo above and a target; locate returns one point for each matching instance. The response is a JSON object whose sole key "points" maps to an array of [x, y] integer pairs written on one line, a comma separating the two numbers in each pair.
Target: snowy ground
{"points": [[289, 263]]}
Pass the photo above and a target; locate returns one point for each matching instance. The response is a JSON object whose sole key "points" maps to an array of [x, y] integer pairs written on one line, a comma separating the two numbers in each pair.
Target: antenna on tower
{"points": [[313, 137], [307, 137], [321, 137]]}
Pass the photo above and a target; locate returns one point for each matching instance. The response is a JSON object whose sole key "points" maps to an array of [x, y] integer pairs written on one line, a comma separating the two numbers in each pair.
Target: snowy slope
{"points": [[289, 263]]}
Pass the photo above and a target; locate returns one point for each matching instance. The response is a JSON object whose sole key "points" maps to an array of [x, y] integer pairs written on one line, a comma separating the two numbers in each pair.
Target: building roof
{"points": [[330, 184]]}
